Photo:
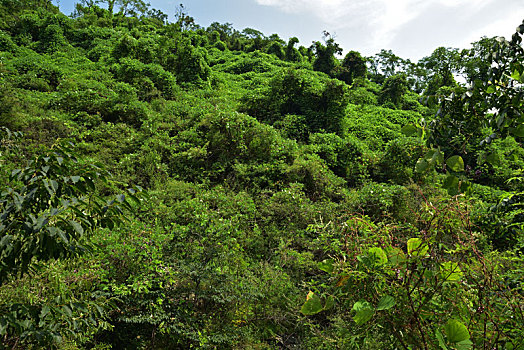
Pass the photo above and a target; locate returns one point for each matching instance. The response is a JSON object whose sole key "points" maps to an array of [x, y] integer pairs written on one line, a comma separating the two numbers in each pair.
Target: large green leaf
{"points": [[326, 265], [455, 163], [416, 247], [386, 302], [493, 158], [377, 256], [434, 156], [515, 75], [518, 131], [312, 306], [456, 331], [421, 166], [464, 345], [396, 256], [364, 312], [451, 183], [450, 271]]}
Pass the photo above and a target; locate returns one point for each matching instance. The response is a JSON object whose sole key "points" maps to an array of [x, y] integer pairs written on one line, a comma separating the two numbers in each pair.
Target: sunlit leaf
{"points": [[455, 163], [456, 331], [326, 265], [450, 271], [377, 256], [364, 312], [312, 306], [416, 247], [411, 130], [515, 75]]}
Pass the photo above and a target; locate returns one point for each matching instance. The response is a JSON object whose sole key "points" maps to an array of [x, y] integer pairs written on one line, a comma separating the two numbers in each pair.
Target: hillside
{"points": [[169, 186]]}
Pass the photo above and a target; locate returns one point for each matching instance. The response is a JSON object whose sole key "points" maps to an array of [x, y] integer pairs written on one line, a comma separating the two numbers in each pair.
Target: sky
{"points": [[410, 28]]}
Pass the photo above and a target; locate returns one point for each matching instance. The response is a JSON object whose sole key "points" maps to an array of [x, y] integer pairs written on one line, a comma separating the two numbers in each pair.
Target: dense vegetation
{"points": [[168, 186]]}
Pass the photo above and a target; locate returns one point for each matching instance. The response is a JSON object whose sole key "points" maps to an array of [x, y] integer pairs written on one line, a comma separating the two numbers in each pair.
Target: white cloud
{"points": [[379, 21]]}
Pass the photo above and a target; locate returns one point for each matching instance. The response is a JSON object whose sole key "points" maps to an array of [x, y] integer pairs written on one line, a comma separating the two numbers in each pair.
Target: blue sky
{"points": [[411, 28]]}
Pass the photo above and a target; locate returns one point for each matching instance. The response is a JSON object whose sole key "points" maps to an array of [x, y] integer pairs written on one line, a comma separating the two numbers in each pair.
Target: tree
{"points": [[126, 7], [393, 89], [353, 66], [325, 60], [387, 63], [441, 66], [292, 54], [495, 102], [183, 20], [47, 210]]}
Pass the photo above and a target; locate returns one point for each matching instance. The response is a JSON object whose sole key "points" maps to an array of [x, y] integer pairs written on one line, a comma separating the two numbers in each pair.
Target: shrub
{"points": [[398, 161]]}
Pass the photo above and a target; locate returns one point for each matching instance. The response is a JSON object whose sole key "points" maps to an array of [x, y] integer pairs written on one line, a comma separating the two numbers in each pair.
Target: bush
{"points": [[397, 163], [321, 101], [407, 286], [36, 72], [347, 157], [382, 201]]}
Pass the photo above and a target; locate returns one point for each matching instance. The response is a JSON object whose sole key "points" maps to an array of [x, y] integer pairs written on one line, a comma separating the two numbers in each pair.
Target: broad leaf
{"points": [[464, 345], [421, 166], [396, 256], [451, 183], [326, 265], [364, 312], [77, 227], [455, 163], [411, 130], [377, 256], [67, 310], [312, 306], [450, 271], [518, 131], [386, 303], [515, 75], [434, 156], [456, 331], [416, 247], [493, 158]]}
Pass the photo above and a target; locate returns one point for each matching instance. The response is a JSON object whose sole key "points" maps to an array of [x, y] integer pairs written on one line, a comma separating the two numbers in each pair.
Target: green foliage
{"points": [[347, 158], [48, 208], [353, 66], [322, 102], [325, 60], [398, 163], [296, 199], [426, 292], [376, 126], [393, 89]]}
